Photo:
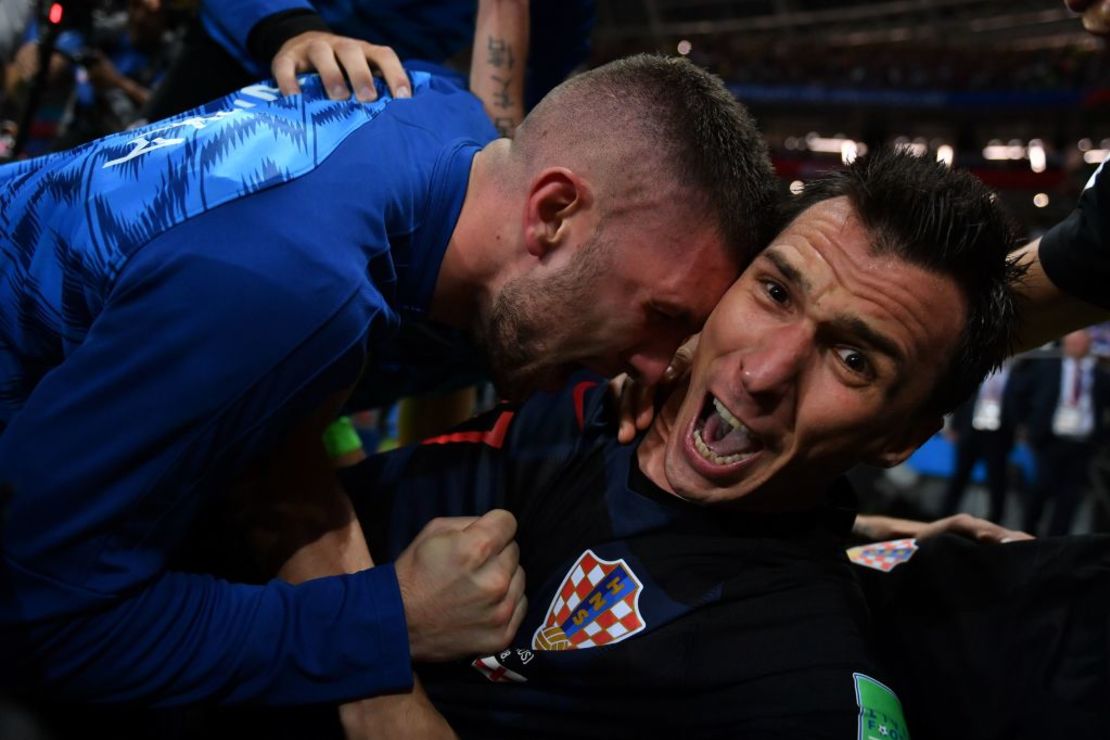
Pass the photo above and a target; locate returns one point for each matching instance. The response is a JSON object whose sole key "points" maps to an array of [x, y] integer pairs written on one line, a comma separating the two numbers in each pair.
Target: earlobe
{"points": [[556, 194]]}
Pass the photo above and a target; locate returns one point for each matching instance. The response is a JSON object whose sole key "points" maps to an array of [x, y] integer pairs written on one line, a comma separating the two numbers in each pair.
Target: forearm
{"points": [[499, 59], [1046, 311], [187, 638], [343, 549]]}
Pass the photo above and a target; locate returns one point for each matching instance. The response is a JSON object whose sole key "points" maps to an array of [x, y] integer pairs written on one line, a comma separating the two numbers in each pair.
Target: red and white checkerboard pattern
{"points": [[619, 622], [883, 556]]}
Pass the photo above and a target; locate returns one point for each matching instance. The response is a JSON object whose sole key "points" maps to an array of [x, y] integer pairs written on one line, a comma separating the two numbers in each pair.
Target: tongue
{"points": [[722, 439]]}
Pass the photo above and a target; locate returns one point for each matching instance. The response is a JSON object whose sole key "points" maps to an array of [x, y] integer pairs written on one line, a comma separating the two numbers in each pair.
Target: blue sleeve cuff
{"points": [[230, 23], [391, 636]]}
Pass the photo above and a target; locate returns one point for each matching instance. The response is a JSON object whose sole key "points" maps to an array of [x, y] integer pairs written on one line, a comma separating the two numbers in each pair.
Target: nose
{"points": [[770, 370]]}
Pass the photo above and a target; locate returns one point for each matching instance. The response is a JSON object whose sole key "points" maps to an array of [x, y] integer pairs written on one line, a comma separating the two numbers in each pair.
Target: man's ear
{"points": [[555, 195], [916, 434]]}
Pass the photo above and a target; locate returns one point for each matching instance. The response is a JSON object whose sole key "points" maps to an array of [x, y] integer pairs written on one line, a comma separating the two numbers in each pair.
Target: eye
{"points": [[776, 292], [855, 361]]}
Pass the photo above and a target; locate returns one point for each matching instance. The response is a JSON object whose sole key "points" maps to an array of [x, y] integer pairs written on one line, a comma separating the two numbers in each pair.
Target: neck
{"points": [[480, 248]]}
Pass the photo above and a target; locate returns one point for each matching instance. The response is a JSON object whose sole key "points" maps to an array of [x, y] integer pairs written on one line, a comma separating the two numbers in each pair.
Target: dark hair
{"points": [[949, 223], [705, 138]]}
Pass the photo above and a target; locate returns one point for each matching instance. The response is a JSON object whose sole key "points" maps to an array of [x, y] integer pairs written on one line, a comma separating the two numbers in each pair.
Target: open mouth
{"points": [[720, 438]]}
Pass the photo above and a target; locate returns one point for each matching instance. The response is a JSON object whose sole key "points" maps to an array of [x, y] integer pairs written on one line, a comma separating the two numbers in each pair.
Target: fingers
{"points": [[338, 59], [1096, 18], [389, 65], [626, 414], [518, 617], [284, 70], [683, 358], [974, 528], [322, 57], [443, 525], [645, 409], [496, 529], [352, 56]]}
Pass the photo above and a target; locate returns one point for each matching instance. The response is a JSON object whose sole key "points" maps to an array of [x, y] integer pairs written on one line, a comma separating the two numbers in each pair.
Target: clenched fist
{"points": [[462, 587]]}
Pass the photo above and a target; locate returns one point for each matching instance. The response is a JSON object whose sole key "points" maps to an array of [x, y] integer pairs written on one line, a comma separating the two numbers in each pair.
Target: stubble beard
{"points": [[532, 321]]}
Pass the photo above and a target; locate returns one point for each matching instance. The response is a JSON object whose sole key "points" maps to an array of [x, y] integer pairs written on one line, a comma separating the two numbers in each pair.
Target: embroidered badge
{"points": [[883, 556], [597, 604], [880, 712]]}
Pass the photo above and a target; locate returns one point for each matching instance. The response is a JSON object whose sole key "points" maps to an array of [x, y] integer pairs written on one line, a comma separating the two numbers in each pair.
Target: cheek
{"points": [[830, 415]]}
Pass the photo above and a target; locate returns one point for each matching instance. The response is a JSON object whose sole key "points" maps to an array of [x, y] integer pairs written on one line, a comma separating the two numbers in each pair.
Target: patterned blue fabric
{"points": [[173, 300], [69, 221]]}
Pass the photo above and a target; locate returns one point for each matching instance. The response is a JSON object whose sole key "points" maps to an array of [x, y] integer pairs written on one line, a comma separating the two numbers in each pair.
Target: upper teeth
{"points": [[727, 415]]}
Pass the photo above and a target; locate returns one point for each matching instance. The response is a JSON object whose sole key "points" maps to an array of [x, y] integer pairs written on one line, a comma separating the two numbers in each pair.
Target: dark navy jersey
{"points": [[1075, 253], [999, 642], [647, 616], [171, 298]]}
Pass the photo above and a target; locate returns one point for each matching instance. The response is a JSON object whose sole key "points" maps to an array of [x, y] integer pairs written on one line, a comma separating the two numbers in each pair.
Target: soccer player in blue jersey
{"points": [[178, 300]]}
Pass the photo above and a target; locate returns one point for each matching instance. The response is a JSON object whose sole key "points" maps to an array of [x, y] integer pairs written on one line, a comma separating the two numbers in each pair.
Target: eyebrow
{"points": [[843, 324], [789, 271], [856, 327]]}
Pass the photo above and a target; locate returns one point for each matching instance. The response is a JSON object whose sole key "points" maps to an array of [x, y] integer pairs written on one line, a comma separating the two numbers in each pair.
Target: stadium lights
{"points": [[1040, 200], [684, 47], [1037, 157], [946, 154], [797, 187], [996, 150], [1095, 156], [917, 147], [837, 144]]}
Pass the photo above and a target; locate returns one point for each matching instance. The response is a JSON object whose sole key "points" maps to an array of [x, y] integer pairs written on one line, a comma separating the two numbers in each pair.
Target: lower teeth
{"points": [[712, 456]]}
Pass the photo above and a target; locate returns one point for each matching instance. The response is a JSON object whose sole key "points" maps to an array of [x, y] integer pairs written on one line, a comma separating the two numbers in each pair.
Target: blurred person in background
{"points": [[982, 428], [1065, 408]]}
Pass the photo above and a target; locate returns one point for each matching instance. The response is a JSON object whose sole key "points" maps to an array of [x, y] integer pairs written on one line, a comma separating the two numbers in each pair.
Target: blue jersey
{"points": [[647, 616], [170, 299]]}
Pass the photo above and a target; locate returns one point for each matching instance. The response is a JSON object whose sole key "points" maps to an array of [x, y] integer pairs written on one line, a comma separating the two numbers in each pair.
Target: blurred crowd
{"points": [[1030, 450], [900, 67], [76, 71]]}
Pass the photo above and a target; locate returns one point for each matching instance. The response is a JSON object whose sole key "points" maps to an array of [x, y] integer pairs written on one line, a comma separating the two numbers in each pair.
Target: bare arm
{"points": [[878, 528], [498, 61], [314, 508], [1047, 312]]}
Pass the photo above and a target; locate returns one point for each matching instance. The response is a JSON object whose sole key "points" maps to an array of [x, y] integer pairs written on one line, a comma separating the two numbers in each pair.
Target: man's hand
{"points": [[1096, 14], [462, 587], [637, 400], [879, 528], [331, 55]]}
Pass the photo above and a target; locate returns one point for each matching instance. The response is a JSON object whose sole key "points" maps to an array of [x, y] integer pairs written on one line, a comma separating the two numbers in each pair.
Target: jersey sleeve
{"points": [[231, 24], [214, 338], [1075, 253]]}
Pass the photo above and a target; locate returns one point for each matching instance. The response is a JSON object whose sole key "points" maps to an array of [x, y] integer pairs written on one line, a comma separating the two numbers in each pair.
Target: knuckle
{"points": [[498, 585]]}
